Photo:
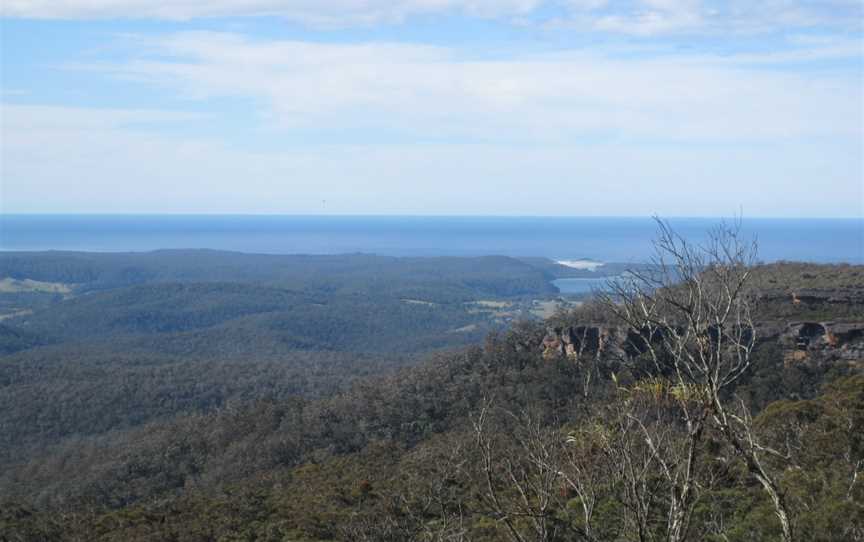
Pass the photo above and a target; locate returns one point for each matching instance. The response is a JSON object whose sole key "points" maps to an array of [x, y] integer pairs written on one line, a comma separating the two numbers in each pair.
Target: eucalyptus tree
{"points": [[690, 318]]}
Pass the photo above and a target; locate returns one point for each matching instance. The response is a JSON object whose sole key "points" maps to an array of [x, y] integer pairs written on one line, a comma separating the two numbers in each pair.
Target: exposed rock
{"points": [[810, 342], [553, 345], [590, 341], [822, 342]]}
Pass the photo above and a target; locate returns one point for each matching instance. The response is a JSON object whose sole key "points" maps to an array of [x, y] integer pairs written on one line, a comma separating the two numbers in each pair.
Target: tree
{"points": [[519, 477], [690, 316]]}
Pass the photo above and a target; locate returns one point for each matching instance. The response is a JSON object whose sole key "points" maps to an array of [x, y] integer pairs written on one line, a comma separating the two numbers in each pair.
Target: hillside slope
{"points": [[399, 457]]}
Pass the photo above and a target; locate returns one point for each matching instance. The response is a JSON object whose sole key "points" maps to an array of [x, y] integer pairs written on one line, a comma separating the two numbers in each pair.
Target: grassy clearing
{"points": [[464, 329], [8, 315], [489, 304], [419, 302], [14, 286]]}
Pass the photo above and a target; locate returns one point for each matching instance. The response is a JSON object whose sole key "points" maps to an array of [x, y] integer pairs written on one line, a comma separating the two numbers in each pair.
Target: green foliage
{"points": [[180, 406], [445, 279]]}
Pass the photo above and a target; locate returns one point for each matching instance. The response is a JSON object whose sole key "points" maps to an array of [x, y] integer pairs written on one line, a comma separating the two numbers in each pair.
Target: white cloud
{"points": [[313, 12], [583, 126], [91, 160], [65, 118], [637, 17], [432, 92], [718, 17]]}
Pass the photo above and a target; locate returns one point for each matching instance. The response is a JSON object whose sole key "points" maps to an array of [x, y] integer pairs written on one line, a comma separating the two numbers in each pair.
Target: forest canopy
{"points": [[704, 397]]}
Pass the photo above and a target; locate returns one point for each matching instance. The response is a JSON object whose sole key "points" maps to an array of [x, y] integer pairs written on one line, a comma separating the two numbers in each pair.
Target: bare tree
{"points": [[520, 472], [608, 456], [690, 316], [433, 500]]}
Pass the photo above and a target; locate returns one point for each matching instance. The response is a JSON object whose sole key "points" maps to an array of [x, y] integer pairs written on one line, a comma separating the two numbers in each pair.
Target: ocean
{"points": [[625, 240]]}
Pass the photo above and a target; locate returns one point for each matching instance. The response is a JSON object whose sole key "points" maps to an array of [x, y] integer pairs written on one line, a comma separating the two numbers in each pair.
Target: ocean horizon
{"points": [[603, 239]]}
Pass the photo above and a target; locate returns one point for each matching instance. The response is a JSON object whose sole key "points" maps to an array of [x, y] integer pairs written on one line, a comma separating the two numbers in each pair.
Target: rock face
{"points": [[802, 342], [589, 340], [786, 320], [822, 342]]}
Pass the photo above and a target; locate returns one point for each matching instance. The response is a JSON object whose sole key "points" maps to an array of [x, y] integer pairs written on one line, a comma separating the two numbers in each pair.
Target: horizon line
{"points": [[400, 215]]}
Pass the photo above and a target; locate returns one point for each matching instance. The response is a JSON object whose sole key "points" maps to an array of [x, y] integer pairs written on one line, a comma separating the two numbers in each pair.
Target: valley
{"points": [[208, 396]]}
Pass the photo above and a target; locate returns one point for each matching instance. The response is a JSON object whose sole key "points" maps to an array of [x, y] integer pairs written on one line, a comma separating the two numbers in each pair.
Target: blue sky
{"points": [[504, 107]]}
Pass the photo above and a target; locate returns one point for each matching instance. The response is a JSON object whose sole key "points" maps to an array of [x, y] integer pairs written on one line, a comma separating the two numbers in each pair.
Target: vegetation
{"points": [[232, 408], [442, 279], [226, 304]]}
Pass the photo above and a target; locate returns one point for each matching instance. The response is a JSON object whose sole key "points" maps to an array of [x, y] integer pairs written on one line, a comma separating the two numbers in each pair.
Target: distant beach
{"points": [[587, 265]]}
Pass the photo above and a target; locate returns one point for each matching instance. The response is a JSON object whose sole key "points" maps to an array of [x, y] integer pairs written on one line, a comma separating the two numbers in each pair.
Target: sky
{"points": [[433, 107]]}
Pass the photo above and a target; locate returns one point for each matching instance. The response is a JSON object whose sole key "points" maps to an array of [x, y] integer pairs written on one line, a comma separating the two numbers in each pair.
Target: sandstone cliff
{"points": [[801, 342]]}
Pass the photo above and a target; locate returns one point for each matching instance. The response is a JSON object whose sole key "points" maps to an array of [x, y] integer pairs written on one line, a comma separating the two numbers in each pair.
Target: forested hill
{"points": [[354, 302], [444, 278], [214, 303], [535, 433], [121, 340]]}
